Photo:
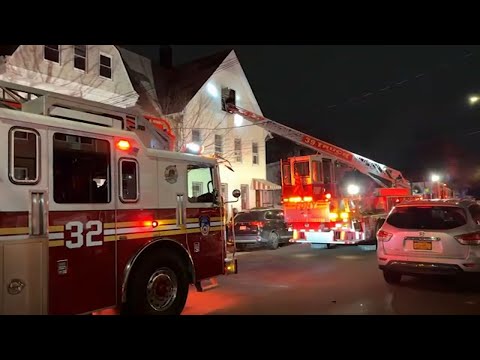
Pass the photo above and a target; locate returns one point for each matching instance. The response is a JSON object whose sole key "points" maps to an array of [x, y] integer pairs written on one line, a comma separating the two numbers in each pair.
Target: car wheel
{"points": [[273, 240], [392, 277], [330, 246]]}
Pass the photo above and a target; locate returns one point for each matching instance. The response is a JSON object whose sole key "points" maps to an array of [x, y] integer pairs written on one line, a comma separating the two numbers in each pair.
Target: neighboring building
{"points": [[191, 95], [91, 72], [274, 175], [101, 73]]}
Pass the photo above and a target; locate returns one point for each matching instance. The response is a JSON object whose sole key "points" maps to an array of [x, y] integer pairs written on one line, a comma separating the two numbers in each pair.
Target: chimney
{"points": [[166, 56]]}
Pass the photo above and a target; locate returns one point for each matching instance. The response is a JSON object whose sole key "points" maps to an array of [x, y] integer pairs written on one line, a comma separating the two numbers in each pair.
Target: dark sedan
{"points": [[265, 227]]}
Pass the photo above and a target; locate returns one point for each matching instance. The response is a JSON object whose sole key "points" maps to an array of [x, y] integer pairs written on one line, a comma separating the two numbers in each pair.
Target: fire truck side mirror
{"points": [[236, 193]]}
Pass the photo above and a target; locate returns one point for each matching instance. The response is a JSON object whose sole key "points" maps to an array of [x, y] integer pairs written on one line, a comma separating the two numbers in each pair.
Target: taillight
{"points": [[383, 236], [257, 223], [469, 239]]}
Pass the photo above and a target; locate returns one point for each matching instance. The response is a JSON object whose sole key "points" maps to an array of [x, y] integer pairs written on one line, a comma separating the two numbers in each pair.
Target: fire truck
{"points": [[97, 213], [317, 209]]}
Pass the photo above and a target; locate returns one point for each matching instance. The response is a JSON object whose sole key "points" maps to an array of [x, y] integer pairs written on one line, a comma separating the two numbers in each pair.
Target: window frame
{"points": [[79, 56], [219, 145], [11, 155], [110, 168], [255, 155], [238, 156], [100, 65], [120, 182], [59, 55]]}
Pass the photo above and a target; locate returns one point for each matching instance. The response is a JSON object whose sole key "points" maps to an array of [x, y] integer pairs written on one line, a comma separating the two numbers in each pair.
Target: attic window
{"points": [[80, 57], [51, 53], [228, 97], [105, 66]]}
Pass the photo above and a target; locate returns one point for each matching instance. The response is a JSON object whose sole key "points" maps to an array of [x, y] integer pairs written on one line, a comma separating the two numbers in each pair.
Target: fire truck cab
{"points": [[96, 213], [318, 211]]}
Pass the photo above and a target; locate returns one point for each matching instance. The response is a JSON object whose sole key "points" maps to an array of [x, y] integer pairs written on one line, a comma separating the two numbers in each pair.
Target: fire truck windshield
{"points": [[301, 168]]}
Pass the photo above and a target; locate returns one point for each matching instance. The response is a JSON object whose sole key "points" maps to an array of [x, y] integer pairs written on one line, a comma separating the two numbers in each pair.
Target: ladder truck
{"points": [[316, 208]]}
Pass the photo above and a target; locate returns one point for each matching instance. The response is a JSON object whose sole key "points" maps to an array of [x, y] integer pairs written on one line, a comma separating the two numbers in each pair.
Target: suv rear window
{"points": [[427, 217], [250, 216]]}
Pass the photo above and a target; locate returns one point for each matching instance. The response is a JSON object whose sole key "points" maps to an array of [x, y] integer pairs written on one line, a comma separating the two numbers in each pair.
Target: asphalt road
{"points": [[298, 280]]}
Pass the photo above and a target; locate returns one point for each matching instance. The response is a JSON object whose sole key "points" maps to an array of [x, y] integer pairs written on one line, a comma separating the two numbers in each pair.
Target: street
{"points": [[298, 280]]}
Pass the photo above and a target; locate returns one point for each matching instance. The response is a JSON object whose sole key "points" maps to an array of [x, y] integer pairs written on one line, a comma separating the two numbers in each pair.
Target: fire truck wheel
{"points": [[158, 286], [273, 240]]}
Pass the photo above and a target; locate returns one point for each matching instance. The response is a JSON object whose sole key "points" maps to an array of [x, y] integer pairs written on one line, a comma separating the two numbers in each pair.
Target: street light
{"points": [[435, 178], [473, 99]]}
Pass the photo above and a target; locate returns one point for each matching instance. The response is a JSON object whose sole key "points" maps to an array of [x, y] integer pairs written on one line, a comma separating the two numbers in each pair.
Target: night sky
{"points": [[404, 106]]}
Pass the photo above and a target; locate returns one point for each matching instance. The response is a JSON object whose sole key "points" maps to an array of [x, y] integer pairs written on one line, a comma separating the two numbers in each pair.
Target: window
{"points": [[428, 217], [196, 138], [238, 150], [51, 53], [244, 196], [129, 180], [224, 191], [270, 215], [255, 153], [80, 57], [301, 168], [287, 179], [81, 170], [105, 66], [24, 150], [200, 184], [228, 97], [219, 144]]}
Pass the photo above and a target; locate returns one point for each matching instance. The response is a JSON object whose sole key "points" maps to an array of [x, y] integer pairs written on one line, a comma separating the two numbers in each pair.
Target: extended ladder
{"points": [[373, 169]]}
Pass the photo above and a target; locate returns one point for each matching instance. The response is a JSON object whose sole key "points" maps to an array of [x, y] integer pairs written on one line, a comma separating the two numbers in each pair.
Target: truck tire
{"points": [[158, 285]]}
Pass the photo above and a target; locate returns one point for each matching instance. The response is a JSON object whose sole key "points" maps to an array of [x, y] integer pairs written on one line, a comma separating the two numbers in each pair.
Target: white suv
{"points": [[430, 237]]}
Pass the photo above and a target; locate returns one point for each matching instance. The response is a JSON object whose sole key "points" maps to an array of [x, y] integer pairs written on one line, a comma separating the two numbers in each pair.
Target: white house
{"points": [[193, 97], [92, 72]]}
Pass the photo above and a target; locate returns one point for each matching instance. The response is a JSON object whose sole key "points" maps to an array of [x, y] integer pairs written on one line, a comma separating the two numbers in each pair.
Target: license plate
{"points": [[422, 245], [243, 227]]}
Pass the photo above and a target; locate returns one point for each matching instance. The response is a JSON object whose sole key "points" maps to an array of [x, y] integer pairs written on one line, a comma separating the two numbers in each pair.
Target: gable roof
{"points": [[139, 70], [177, 86]]}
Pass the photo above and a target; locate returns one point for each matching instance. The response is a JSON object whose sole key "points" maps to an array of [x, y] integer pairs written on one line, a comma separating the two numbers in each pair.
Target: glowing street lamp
{"points": [[473, 99], [435, 178]]}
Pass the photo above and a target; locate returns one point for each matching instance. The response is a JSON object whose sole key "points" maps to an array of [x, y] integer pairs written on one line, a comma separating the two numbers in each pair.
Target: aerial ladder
{"points": [[383, 175]]}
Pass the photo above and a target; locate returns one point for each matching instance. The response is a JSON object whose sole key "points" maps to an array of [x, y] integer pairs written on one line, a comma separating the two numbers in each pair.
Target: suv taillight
{"points": [[469, 239], [383, 236]]}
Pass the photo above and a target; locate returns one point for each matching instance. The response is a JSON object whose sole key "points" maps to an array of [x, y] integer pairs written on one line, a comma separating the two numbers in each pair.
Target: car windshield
{"points": [[427, 217], [250, 216]]}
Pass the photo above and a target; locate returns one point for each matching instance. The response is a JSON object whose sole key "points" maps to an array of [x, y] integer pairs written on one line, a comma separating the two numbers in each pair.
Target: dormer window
{"points": [[51, 53], [105, 66]]}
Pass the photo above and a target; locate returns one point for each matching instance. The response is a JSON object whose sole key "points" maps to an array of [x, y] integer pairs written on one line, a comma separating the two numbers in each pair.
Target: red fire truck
{"points": [[317, 208], [97, 213]]}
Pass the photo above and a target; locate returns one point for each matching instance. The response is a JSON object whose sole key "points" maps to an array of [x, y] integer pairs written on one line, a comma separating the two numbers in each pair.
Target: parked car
{"points": [[261, 227], [430, 237]]}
